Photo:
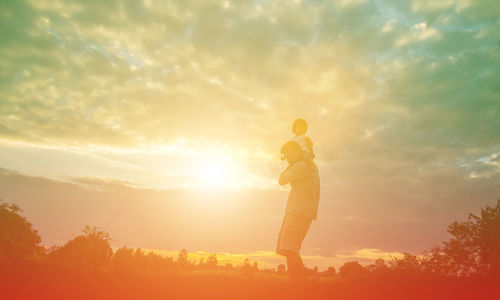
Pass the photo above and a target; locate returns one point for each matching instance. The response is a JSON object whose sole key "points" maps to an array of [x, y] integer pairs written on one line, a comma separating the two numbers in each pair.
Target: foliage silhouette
{"points": [[137, 261], [330, 272], [475, 246], [90, 250], [210, 263], [352, 270], [18, 239]]}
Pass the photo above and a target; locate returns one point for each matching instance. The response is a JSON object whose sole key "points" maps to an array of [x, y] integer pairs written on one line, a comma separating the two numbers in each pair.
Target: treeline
{"points": [[472, 251]]}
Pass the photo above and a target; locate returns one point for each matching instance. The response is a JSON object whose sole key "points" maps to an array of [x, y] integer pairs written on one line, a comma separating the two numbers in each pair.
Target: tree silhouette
{"points": [[211, 262], [137, 261], [246, 270], [474, 247], [330, 272], [352, 270], [18, 239], [124, 259], [408, 264], [255, 266], [379, 267], [90, 250], [182, 260]]}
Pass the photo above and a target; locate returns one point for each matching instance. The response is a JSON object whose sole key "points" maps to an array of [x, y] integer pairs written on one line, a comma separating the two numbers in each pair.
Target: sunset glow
{"points": [[162, 121]]}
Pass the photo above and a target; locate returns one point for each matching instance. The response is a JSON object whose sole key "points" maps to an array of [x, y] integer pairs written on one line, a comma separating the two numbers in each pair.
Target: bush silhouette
{"points": [[18, 239], [90, 250], [352, 270]]}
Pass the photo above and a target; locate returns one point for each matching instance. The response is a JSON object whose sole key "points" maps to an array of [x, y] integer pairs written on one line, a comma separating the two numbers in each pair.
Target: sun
{"points": [[221, 172], [215, 175]]}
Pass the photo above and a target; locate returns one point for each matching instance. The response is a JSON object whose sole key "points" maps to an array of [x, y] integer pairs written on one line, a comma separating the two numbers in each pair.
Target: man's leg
{"points": [[295, 266], [292, 233]]}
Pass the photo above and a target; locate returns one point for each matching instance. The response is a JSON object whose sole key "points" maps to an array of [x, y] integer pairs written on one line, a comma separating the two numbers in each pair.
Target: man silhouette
{"points": [[301, 208]]}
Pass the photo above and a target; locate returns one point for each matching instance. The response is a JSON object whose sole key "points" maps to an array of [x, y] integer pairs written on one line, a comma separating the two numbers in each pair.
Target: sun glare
{"points": [[216, 175]]}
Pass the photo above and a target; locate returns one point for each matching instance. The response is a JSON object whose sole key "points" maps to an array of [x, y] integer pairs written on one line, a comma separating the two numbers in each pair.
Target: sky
{"points": [[161, 121]]}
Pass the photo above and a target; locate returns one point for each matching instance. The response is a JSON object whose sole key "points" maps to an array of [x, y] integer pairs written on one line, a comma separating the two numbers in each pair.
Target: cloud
{"points": [[125, 73], [420, 32], [371, 254], [105, 184]]}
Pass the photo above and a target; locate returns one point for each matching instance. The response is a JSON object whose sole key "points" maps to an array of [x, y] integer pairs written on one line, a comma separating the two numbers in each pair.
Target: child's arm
{"points": [[309, 144]]}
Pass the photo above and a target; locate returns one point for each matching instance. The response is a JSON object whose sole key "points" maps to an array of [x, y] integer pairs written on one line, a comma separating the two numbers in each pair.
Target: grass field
{"points": [[28, 280]]}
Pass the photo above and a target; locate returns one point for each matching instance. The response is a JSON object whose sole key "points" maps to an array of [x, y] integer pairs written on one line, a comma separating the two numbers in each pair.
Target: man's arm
{"points": [[294, 172], [282, 180]]}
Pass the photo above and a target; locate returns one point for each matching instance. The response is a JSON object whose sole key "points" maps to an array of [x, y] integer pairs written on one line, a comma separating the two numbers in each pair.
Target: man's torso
{"points": [[303, 199]]}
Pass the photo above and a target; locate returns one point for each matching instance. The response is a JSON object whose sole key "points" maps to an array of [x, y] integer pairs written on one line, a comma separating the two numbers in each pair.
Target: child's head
{"points": [[299, 127]]}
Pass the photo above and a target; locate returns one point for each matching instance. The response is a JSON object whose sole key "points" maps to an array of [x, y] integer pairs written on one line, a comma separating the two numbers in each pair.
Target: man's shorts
{"points": [[292, 233]]}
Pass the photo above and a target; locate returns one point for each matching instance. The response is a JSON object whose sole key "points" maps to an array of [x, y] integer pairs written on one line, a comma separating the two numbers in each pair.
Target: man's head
{"points": [[292, 152], [299, 127]]}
